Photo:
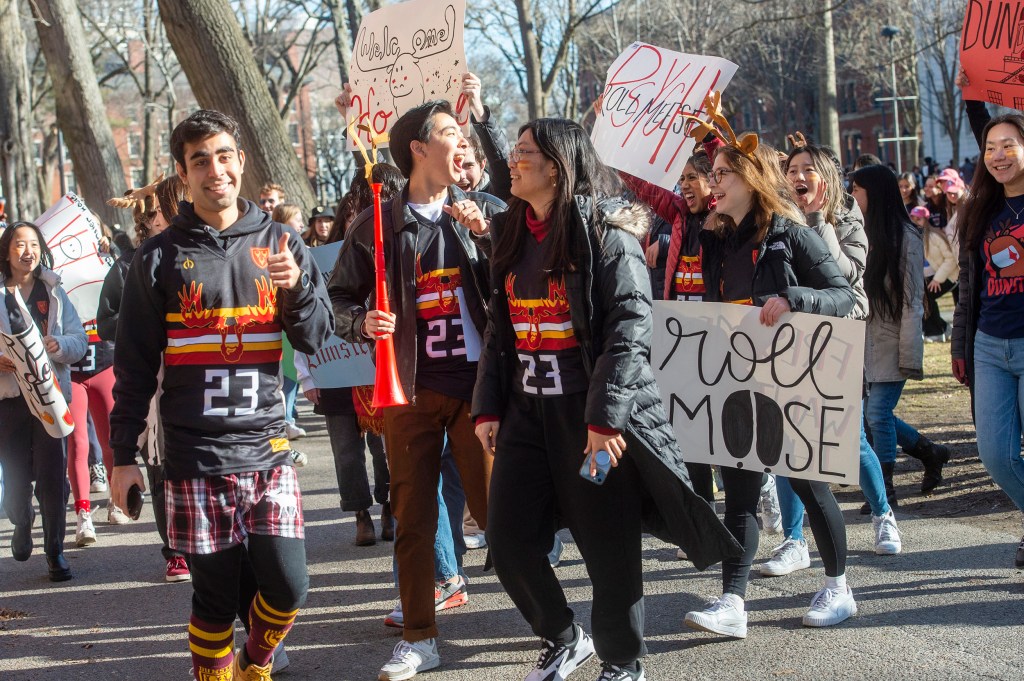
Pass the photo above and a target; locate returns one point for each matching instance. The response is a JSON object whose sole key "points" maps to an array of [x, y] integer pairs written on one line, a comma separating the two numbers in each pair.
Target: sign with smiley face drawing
{"points": [[407, 54]]}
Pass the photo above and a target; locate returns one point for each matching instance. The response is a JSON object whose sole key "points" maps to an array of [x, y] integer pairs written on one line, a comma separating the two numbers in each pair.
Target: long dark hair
{"points": [[45, 255], [884, 222], [359, 196], [986, 197], [580, 173]]}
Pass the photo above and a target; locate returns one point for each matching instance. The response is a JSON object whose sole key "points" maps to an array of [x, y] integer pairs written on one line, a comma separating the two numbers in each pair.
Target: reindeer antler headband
{"points": [[718, 125], [797, 140], [374, 141], [136, 199]]}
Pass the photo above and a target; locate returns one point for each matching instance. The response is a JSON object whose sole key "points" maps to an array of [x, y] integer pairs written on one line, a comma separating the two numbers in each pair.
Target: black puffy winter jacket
{"points": [[610, 306]]}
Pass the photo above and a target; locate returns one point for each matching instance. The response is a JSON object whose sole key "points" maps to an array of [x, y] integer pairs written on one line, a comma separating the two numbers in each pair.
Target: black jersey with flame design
{"points": [[550, 362], [442, 363], [219, 320]]}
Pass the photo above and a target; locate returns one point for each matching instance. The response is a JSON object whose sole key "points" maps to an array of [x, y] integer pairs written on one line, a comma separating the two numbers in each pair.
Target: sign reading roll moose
{"points": [[784, 399]]}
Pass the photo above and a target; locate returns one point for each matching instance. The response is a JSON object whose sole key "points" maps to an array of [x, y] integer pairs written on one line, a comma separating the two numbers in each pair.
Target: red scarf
{"points": [[538, 228]]}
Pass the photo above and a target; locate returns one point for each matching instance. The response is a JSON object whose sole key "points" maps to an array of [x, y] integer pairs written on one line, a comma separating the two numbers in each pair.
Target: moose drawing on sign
{"points": [[404, 76]]}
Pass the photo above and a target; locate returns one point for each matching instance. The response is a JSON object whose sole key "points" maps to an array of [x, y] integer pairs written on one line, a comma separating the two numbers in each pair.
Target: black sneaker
{"points": [[1019, 560], [613, 672], [558, 660]]}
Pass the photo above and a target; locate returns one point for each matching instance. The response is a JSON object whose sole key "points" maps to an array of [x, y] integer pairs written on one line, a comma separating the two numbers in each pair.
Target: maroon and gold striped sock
{"points": [[267, 628], [212, 647]]}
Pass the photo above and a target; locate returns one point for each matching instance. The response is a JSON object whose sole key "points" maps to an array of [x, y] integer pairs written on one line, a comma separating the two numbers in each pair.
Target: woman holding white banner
{"points": [[564, 386], [757, 253], [814, 177], [27, 451]]}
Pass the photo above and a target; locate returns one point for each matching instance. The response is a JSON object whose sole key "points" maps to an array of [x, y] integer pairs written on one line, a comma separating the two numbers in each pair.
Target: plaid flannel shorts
{"points": [[206, 515]]}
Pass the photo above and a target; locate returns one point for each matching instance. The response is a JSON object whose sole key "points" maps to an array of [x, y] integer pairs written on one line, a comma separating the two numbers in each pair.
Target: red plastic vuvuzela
{"points": [[387, 389]]}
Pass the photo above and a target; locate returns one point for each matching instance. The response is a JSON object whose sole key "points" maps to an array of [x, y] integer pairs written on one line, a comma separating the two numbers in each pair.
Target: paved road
{"points": [[950, 607]]}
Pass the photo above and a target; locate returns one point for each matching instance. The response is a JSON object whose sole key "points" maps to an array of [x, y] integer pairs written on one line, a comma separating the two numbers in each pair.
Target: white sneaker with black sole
{"points": [[408, 659], [789, 556], [557, 660], [830, 607], [723, 615]]}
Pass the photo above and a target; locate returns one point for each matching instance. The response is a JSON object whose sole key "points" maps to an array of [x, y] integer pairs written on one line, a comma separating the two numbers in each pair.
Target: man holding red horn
{"points": [[437, 281]]}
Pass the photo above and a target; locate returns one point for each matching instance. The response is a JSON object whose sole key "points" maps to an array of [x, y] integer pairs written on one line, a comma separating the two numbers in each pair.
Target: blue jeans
{"points": [[871, 484], [886, 430], [999, 410], [291, 393], [454, 502]]}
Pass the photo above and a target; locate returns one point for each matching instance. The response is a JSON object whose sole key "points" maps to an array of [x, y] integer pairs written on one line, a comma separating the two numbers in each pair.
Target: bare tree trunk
{"points": [[828, 116], [342, 36], [535, 99], [81, 114], [223, 75], [149, 139], [16, 148]]}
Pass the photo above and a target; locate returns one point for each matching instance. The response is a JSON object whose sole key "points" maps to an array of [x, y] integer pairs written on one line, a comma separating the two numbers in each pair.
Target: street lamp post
{"points": [[890, 32]]}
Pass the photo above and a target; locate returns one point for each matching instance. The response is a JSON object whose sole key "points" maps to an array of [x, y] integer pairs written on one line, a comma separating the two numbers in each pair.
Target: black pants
{"points": [[155, 473], [536, 474], [703, 481], [742, 492], [278, 563], [934, 324], [29, 454], [349, 444]]}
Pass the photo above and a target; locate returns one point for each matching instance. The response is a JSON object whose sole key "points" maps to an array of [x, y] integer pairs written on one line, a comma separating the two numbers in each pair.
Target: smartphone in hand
{"points": [[604, 464]]}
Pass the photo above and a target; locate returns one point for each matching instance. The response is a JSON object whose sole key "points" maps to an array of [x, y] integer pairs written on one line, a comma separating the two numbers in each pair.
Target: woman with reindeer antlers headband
{"points": [[757, 253], [565, 393]]}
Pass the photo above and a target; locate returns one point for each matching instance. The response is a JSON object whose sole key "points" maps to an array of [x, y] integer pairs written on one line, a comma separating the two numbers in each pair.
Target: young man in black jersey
{"points": [[438, 284], [209, 300]]}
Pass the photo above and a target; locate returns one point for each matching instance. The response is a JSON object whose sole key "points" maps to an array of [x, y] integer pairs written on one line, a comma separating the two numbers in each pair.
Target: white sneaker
{"points": [[475, 541], [293, 432], [116, 516], [830, 607], [768, 507], [85, 533], [681, 555], [557, 660], [723, 615], [410, 658], [299, 459], [789, 556], [887, 535], [97, 478], [395, 619]]}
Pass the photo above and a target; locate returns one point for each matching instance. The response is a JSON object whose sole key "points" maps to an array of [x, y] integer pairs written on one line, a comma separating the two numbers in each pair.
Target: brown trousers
{"points": [[414, 437]]}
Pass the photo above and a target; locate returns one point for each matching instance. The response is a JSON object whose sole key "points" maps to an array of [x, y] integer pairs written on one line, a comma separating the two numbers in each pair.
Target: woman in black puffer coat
{"points": [[564, 375], [756, 252]]}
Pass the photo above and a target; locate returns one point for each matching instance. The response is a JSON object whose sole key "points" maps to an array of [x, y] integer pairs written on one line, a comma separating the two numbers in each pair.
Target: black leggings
{"points": [[742, 492], [702, 481], [278, 564]]}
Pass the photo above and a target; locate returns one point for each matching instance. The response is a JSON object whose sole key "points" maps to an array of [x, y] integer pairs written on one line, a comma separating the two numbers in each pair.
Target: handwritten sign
{"points": [[404, 55], [338, 364], [35, 376], [640, 130], [73, 235], [992, 52], [784, 399]]}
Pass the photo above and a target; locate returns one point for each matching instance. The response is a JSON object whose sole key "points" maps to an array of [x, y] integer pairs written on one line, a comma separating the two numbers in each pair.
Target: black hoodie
{"points": [[202, 301]]}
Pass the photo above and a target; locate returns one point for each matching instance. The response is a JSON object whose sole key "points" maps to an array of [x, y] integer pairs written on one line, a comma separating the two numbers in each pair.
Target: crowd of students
{"points": [[521, 281]]}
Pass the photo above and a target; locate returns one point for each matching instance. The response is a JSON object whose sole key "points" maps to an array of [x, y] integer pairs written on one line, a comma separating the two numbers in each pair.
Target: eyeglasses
{"points": [[516, 155], [717, 175]]}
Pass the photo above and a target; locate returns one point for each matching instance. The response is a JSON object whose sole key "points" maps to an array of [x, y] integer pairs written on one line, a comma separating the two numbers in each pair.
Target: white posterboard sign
{"points": [[784, 399], [35, 376], [73, 236], [640, 130], [339, 364], [404, 55]]}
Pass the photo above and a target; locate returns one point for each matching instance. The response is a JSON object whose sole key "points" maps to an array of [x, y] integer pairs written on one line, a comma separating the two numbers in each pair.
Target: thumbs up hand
{"points": [[284, 271]]}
